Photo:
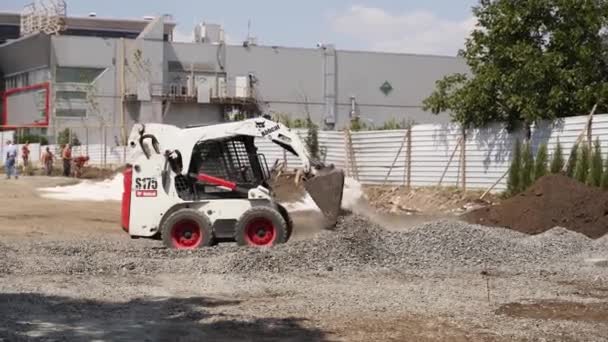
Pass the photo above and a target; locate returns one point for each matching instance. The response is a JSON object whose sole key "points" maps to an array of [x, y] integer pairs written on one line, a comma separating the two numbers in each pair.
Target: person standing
{"points": [[10, 164], [66, 155], [25, 153], [47, 161]]}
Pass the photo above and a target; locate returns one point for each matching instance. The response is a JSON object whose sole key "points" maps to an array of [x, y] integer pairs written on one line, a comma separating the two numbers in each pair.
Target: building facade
{"points": [[111, 73]]}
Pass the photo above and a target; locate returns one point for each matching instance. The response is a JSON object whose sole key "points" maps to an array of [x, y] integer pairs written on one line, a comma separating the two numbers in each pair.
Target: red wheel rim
{"points": [[186, 234], [260, 232]]}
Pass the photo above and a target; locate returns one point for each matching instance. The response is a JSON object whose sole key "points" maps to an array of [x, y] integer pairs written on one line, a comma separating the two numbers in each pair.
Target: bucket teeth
{"points": [[326, 189]]}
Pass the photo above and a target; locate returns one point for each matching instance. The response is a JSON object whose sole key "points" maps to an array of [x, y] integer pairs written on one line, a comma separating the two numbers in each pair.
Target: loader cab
{"points": [[234, 160]]}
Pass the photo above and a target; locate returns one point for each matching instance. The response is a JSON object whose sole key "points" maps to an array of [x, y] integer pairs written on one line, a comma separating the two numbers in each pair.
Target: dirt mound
{"points": [[554, 200], [428, 200]]}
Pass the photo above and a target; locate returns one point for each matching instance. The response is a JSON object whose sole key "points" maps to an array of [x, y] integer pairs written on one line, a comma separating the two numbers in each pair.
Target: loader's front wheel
{"points": [[187, 229], [261, 227]]}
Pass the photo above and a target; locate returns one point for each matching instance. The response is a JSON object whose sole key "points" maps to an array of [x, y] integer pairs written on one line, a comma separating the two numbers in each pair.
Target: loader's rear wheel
{"points": [[261, 227], [187, 229]]}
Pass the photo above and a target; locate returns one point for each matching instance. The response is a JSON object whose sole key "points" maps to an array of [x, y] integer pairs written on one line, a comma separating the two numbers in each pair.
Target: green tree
{"points": [[527, 167], [64, 137], [513, 183], [540, 163], [595, 173], [572, 159], [528, 60], [582, 163], [312, 138], [557, 163]]}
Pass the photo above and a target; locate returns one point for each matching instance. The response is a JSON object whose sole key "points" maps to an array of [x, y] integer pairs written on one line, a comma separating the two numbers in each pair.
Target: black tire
{"points": [[179, 230], [287, 219], [261, 227]]}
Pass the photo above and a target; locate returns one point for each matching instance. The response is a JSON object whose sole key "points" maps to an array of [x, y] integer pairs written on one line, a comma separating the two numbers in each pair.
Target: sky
{"points": [[423, 27]]}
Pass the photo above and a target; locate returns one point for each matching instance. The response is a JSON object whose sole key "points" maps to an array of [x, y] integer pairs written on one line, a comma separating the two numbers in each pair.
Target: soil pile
{"points": [[554, 200]]}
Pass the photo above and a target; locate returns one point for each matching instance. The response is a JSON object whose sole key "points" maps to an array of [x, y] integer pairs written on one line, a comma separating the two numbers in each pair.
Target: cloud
{"points": [[419, 31]]}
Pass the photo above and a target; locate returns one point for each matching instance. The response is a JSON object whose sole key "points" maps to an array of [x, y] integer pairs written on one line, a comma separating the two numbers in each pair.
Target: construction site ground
{"points": [[68, 272]]}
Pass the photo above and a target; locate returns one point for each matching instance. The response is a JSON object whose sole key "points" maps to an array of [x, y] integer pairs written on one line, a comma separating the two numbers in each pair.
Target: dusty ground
{"points": [[436, 201], [63, 291]]}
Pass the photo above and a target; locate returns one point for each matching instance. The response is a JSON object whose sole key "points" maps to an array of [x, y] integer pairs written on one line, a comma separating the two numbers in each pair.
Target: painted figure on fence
{"points": [[10, 163], [66, 156], [47, 161], [79, 163], [25, 153]]}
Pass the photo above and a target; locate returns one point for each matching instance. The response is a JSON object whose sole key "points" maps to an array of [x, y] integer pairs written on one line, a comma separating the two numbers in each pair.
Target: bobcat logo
{"points": [[260, 124]]}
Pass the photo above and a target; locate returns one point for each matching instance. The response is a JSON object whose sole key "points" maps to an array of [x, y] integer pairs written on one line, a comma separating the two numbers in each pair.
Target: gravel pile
{"points": [[355, 244]]}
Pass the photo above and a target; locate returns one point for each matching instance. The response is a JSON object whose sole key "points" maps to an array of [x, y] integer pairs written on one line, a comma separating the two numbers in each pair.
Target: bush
{"points": [[572, 161], [527, 167], [513, 184], [582, 163], [312, 138], [64, 136], [557, 164], [32, 139], [595, 173], [357, 125], [540, 164]]}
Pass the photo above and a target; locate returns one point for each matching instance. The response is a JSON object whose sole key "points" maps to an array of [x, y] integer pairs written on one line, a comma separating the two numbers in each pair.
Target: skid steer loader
{"points": [[199, 186]]}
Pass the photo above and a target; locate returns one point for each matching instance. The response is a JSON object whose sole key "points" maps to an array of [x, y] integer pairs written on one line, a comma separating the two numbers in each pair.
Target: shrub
{"points": [[540, 164], [64, 136], [513, 184], [557, 163], [595, 172], [32, 139], [357, 125], [572, 161], [312, 138], [527, 167], [581, 169]]}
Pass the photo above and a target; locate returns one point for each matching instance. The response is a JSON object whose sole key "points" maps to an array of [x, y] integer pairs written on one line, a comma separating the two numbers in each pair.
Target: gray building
{"points": [[111, 73]]}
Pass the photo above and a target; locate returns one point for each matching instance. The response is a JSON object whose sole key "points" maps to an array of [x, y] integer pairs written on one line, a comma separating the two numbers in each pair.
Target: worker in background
{"points": [[25, 153], [79, 165], [66, 156], [10, 163], [47, 161]]}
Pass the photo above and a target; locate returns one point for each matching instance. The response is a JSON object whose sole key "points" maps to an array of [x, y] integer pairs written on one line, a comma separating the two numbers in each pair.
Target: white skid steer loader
{"points": [[198, 186]]}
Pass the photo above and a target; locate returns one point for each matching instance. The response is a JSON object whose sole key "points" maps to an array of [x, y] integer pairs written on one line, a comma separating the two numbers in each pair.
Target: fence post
{"points": [[463, 158], [284, 159], [86, 133], [104, 141], [408, 166], [351, 163], [390, 170], [346, 154]]}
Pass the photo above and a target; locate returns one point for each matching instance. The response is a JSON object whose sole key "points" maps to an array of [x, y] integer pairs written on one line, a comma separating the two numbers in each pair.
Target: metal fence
{"points": [[441, 155], [425, 155]]}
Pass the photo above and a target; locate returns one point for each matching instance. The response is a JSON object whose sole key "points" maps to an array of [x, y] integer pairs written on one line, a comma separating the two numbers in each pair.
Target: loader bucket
{"points": [[326, 189]]}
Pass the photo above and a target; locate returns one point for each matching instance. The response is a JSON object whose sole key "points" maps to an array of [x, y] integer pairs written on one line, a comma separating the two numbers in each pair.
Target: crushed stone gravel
{"points": [[356, 243]]}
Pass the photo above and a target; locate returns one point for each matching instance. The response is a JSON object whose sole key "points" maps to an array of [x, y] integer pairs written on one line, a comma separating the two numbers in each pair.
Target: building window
{"points": [[77, 75], [71, 113], [71, 95]]}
